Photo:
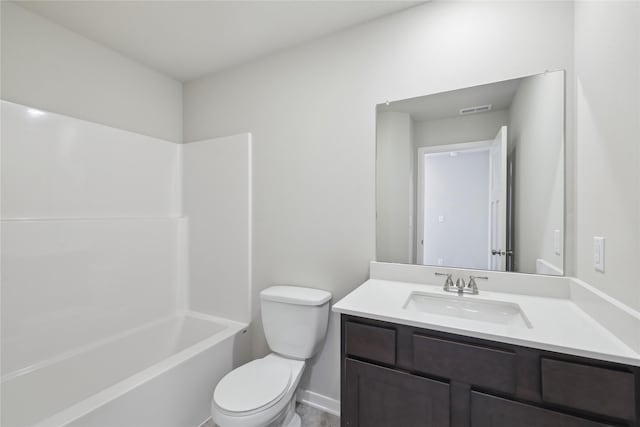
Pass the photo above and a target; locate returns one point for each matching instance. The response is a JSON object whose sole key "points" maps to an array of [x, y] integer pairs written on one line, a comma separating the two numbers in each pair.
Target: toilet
{"points": [[262, 392]]}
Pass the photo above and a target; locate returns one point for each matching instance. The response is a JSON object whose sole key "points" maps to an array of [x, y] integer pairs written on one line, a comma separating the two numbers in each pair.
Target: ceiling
{"points": [[188, 39], [448, 104]]}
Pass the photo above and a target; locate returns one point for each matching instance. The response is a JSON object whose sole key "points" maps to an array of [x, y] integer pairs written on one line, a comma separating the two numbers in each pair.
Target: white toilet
{"points": [[262, 392]]}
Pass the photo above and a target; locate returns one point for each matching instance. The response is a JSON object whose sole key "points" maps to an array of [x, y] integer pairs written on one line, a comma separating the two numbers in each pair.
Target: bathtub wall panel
{"points": [[70, 283], [90, 233], [217, 201], [55, 166]]}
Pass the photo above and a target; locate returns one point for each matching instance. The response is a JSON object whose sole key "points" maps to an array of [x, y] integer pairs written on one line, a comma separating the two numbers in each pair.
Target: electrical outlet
{"points": [[598, 253]]}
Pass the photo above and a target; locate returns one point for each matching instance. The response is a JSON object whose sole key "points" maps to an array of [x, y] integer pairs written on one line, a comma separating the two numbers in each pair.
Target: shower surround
{"points": [[96, 253]]}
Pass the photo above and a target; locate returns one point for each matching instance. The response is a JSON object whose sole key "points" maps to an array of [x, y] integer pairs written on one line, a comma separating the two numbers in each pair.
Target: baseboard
{"points": [[319, 401]]}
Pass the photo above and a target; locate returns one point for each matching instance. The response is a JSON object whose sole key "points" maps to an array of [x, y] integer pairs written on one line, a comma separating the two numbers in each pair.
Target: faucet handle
{"points": [[447, 283], [472, 282]]}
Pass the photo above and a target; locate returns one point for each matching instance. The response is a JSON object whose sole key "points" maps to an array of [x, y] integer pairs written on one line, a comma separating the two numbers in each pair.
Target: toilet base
{"points": [[291, 418], [296, 421]]}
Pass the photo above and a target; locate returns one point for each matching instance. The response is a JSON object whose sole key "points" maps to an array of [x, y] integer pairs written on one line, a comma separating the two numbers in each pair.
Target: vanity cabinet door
{"points": [[382, 397], [491, 411]]}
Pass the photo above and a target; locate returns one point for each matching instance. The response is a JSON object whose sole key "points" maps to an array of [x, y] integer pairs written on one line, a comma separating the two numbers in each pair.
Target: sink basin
{"points": [[464, 307]]}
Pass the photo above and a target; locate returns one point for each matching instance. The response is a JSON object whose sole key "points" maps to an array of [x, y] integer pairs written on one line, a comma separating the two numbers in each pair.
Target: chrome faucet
{"points": [[460, 287]]}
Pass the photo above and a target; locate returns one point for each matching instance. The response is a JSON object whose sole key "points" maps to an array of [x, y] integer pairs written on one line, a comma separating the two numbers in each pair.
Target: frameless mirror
{"points": [[474, 178]]}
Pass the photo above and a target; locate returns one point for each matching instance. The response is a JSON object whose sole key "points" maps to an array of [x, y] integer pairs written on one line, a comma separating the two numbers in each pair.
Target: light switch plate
{"points": [[598, 253]]}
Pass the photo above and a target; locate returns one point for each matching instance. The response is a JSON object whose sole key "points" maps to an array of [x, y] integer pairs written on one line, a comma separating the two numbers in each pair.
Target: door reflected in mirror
{"points": [[474, 178]]}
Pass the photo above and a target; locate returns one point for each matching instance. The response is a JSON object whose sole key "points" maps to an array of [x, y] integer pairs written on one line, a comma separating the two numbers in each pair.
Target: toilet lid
{"points": [[252, 386]]}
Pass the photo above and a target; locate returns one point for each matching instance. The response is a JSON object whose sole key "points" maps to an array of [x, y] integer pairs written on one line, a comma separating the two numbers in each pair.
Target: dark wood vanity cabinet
{"points": [[400, 376]]}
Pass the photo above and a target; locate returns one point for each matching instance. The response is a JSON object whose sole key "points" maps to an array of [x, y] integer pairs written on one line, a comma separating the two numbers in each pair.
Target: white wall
{"points": [[89, 237], [457, 189], [217, 200], [453, 130], [394, 189], [607, 58], [536, 144], [47, 66], [311, 111]]}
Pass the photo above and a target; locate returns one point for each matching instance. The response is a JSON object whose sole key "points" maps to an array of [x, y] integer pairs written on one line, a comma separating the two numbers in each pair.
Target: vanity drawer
{"points": [[491, 411], [374, 343], [598, 390], [472, 364]]}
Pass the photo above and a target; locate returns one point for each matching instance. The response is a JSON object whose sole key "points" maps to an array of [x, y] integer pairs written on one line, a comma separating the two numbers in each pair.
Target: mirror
{"points": [[474, 178]]}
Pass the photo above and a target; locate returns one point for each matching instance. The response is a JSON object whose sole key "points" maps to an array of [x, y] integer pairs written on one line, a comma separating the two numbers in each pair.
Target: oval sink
{"points": [[463, 307]]}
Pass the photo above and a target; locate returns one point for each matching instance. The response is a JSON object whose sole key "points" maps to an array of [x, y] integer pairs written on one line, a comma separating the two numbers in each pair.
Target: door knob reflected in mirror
{"points": [[500, 252]]}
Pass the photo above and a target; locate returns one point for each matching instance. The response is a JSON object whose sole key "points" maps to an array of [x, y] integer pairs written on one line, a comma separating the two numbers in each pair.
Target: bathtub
{"points": [[161, 374]]}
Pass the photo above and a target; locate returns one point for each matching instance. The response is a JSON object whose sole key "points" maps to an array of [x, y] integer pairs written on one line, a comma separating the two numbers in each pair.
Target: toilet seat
{"points": [[252, 387]]}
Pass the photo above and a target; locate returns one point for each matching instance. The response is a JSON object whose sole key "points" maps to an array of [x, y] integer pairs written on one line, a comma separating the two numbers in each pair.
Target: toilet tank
{"points": [[295, 319]]}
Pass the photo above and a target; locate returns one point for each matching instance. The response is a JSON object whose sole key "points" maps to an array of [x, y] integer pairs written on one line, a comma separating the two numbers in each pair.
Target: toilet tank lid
{"points": [[295, 295]]}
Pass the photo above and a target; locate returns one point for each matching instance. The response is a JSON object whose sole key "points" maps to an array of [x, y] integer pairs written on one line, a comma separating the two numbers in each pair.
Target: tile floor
{"points": [[311, 417]]}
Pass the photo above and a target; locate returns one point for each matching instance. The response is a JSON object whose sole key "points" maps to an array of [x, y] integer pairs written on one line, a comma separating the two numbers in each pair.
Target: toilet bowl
{"points": [[258, 393], [262, 392]]}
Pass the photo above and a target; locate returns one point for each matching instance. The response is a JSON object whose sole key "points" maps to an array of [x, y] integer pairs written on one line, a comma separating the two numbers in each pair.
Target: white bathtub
{"points": [[162, 374]]}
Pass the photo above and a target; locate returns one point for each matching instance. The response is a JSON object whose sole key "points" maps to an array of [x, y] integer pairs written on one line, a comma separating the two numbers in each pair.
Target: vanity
{"points": [[470, 182], [414, 355]]}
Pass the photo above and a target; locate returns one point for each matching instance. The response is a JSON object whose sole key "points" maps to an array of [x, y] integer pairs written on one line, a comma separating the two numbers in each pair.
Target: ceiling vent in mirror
{"points": [[473, 110]]}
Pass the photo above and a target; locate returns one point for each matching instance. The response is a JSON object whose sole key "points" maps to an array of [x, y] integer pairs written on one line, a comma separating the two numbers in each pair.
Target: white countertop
{"points": [[558, 324]]}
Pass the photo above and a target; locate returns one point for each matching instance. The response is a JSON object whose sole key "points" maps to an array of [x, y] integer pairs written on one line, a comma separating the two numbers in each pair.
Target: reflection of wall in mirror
{"points": [[536, 134], [394, 188], [454, 130]]}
